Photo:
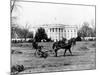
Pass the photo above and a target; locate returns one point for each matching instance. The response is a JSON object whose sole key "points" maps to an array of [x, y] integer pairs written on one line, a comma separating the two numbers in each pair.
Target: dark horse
{"points": [[62, 45]]}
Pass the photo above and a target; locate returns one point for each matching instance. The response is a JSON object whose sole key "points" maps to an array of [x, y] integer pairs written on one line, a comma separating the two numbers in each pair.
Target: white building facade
{"points": [[58, 31]]}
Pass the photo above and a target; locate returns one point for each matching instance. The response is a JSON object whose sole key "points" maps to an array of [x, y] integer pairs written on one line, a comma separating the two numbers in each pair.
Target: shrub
{"points": [[17, 68], [49, 40], [78, 38], [15, 52], [12, 51], [90, 39], [93, 45]]}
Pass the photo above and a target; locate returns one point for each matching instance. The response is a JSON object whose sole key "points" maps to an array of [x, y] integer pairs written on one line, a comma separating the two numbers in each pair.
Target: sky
{"points": [[34, 14]]}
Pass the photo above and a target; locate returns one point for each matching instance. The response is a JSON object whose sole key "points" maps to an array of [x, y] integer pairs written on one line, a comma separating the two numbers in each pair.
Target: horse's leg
{"points": [[56, 52], [70, 51], [65, 52]]}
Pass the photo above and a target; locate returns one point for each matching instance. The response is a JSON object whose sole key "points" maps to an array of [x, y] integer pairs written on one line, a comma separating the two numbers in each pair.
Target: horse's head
{"points": [[72, 41]]}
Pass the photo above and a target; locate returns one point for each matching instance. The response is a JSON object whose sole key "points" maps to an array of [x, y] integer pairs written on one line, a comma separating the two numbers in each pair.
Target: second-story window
{"points": [[53, 30]]}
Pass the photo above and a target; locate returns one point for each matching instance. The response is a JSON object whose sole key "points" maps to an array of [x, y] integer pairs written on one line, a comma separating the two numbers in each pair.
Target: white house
{"points": [[58, 31]]}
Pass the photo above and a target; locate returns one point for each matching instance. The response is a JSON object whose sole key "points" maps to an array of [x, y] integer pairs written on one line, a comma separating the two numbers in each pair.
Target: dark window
{"points": [[56, 29], [59, 29], [71, 30], [53, 29], [50, 29]]}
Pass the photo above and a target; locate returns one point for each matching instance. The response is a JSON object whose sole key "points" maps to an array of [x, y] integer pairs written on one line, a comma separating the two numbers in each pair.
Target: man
{"points": [[34, 44]]}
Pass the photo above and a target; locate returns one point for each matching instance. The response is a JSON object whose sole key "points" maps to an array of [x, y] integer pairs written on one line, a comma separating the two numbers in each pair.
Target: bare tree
{"points": [[86, 31], [14, 25], [93, 23], [12, 5]]}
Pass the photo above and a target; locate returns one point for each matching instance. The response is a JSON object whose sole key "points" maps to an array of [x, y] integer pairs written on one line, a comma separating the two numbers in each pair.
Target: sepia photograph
{"points": [[52, 37]]}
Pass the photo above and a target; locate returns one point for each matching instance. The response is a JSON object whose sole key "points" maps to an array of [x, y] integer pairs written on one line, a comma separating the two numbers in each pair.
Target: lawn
{"points": [[83, 58]]}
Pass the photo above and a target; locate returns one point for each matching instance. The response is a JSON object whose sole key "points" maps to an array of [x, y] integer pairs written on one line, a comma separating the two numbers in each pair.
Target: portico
{"points": [[55, 33]]}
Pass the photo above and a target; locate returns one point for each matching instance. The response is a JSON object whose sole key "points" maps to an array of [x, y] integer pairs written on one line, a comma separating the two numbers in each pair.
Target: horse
{"points": [[62, 45]]}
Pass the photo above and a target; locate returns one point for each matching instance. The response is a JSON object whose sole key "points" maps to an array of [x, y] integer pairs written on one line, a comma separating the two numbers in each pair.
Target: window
{"points": [[53, 29], [74, 30], [59, 29], [56, 29], [50, 29], [71, 30]]}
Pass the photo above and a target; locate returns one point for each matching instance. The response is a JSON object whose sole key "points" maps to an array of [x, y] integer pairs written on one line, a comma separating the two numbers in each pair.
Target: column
{"points": [[48, 33], [52, 33], [64, 33], [61, 33], [56, 34]]}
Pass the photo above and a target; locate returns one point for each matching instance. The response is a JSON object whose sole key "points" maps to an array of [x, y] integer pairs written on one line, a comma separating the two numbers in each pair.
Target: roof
{"points": [[55, 26]]}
